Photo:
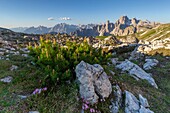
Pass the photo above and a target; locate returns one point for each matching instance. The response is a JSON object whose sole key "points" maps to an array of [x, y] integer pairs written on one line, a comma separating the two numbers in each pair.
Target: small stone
{"points": [[7, 79], [113, 73], [143, 101], [114, 61], [34, 112], [22, 96], [13, 67], [150, 63], [25, 55]]}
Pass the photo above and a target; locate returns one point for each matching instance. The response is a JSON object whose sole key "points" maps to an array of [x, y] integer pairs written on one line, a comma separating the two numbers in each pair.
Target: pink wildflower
{"points": [[86, 106], [87, 102], [92, 110], [36, 91], [45, 89]]}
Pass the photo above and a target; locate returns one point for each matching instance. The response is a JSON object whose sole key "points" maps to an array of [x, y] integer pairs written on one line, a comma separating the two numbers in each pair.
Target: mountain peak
{"points": [[123, 20]]}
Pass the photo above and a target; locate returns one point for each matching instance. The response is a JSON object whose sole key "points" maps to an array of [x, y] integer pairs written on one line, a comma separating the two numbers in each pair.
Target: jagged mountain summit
{"points": [[122, 27]]}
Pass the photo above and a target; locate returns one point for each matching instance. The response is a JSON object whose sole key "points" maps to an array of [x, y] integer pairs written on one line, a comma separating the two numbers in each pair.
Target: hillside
{"points": [[55, 74], [158, 33]]}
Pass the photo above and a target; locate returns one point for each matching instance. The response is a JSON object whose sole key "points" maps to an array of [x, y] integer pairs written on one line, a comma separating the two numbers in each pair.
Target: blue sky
{"points": [[26, 13]]}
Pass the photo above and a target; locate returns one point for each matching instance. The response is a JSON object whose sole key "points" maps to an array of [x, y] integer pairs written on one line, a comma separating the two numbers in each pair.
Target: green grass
{"points": [[101, 37], [25, 80], [162, 29], [148, 34]]}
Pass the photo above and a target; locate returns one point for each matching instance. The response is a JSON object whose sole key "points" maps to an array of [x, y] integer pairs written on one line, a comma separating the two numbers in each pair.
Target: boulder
{"points": [[93, 82], [150, 63], [136, 72]]}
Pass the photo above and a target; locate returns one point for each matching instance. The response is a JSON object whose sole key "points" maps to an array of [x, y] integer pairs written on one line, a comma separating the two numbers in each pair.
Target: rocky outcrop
{"points": [[129, 101], [133, 105], [150, 63], [148, 46], [93, 82], [105, 29], [129, 39], [136, 72]]}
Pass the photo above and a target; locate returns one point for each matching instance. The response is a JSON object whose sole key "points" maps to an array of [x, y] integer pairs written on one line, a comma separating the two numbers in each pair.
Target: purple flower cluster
{"points": [[38, 91], [86, 106]]}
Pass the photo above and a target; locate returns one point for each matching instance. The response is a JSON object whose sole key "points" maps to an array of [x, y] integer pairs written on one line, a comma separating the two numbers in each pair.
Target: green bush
{"points": [[59, 62]]}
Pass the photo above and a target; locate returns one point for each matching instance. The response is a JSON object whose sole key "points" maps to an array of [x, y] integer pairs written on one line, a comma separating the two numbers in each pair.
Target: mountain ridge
{"points": [[123, 26]]}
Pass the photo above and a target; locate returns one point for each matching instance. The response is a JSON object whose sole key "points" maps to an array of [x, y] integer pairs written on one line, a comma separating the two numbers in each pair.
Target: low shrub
{"points": [[59, 62]]}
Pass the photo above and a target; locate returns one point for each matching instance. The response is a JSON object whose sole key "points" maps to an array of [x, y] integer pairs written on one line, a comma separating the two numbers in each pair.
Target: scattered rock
{"points": [[114, 61], [150, 63], [34, 112], [113, 73], [117, 101], [136, 55], [94, 82], [7, 79], [24, 55], [143, 101], [2, 53], [136, 72], [22, 96], [131, 103], [144, 110], [13, 67]]}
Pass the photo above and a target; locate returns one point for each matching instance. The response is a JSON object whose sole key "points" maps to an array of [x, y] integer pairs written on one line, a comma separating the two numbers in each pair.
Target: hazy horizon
{"points": [[22, 13]]}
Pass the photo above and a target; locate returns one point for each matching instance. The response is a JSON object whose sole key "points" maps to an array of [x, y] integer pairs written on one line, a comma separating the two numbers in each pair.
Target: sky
{"points": [[27, 13]]}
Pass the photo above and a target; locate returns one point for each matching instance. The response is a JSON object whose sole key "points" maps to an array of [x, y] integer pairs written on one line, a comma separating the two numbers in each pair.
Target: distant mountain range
{"points": [[123, 26], [58, 28]]}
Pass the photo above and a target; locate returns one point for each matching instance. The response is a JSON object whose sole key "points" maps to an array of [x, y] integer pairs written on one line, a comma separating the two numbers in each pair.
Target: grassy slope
{"points": [[162, 31], [63, 99]]}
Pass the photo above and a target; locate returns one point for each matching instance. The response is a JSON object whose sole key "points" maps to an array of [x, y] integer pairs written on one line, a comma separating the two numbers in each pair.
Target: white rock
{"points": [[150, 63], [144, 110], [13, 67], [22, 96], [25, 55], [2, 53], [7, 79], [114, 61], [143, 101], [34, 112], [131, 103], [136, 72], [92, 79], [117, 101]]}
